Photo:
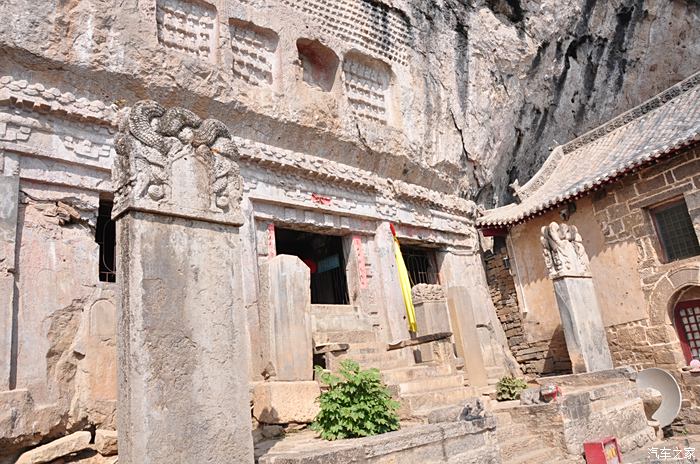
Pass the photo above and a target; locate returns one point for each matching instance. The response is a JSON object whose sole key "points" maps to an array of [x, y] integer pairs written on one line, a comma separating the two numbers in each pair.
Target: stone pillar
{"points": [[464, 329], [182, 346], [285, 318], [568, 266], [389, 286], [464, 268], [9, 201]]}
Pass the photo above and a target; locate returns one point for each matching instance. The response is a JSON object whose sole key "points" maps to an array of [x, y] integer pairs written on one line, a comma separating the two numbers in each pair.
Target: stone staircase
{"points": [[420, 388]]}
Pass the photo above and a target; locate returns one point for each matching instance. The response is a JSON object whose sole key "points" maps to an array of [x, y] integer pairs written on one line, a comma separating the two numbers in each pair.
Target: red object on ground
{"points": [[605, 451]]}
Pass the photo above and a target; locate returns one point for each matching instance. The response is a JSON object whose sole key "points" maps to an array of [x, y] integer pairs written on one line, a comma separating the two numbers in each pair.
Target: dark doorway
{"points": [[324, 256], [105, 236]]}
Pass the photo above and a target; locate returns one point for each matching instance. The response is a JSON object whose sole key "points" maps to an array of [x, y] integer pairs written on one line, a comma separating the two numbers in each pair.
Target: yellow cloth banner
{"points": [[405, 287]]}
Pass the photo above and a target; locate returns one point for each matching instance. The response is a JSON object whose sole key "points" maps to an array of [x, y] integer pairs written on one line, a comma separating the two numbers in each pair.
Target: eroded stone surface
{"points": [[285, 402]]}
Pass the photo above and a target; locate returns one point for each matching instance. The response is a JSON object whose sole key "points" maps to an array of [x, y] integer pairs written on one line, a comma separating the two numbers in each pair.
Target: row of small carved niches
{"points": [[191, 27]]}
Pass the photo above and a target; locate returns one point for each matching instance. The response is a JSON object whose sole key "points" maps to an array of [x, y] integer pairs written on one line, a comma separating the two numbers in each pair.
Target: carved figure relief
{"points": [[152, 138], [562, 248]]}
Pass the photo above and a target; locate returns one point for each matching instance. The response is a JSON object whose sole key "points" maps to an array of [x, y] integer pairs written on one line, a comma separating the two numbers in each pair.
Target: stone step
{"points": [[371, 356], [353, 336], [430, 384], [517, 442], [421, 371], [420, 404], [381, 361], [534, 455]]}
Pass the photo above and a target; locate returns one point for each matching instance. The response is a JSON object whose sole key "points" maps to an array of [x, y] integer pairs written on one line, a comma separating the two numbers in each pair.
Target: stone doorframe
{"points": [[667, 290]]}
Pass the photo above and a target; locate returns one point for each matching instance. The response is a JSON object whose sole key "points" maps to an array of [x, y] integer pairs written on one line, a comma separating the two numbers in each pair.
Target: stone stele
{"points": [[183, 354], [568, 266]]}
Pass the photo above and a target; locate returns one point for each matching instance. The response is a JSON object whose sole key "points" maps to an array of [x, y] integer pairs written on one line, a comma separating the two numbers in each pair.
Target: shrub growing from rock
{"points": [[509, 388], [356, 404]]}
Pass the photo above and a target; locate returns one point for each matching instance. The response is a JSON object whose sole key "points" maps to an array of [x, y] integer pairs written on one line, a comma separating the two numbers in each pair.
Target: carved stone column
{"points": [[182, 345], [568, 267]]}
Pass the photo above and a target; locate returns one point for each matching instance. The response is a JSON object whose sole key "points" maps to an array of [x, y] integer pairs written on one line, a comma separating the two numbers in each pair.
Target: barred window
{"points": [[675, 231], [421, 265]]}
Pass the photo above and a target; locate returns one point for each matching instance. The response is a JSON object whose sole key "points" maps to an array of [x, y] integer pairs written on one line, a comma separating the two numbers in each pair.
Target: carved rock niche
{"points": [[368, 86], [254, 52], [319, 62], [188, 26]]}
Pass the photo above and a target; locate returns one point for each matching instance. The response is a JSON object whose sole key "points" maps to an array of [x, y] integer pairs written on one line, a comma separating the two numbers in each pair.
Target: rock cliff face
{"points": [[455, 96], [544, 72]]}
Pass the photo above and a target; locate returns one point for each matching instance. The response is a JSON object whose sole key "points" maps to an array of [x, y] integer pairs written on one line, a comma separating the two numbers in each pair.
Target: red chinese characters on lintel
{"points": [[320, 199]]}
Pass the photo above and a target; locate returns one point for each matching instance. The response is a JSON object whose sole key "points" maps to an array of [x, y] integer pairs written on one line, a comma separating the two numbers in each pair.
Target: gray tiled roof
{"points": [[657, 127]]}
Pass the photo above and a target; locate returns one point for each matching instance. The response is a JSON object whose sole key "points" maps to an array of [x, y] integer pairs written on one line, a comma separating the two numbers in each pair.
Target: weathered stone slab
{"points": [[9, 191], [583, 325], [106, 442], [285, 318], [285, 402], [432, 315], [464, 327], [73, 443]]}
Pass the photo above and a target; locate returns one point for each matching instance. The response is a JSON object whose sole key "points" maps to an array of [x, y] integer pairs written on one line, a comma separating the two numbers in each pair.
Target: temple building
{"points": [[631, 189], [200, 202]]}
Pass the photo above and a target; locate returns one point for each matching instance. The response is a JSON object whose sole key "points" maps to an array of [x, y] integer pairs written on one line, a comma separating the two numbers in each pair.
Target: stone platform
{"points": [[593, 406], [472, 442]]}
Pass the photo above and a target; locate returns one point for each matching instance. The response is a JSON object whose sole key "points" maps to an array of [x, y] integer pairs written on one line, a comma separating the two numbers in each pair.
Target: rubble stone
{"points": [[73, 443], [106, 442]]}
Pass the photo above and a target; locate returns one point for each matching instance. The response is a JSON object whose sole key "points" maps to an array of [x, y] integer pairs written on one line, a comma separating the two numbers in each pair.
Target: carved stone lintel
{"points": [[564, 255], [173, 162]]}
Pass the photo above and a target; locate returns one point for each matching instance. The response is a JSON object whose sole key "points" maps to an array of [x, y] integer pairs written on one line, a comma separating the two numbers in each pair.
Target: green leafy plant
{"points": [[356, 404], [509, 388]]}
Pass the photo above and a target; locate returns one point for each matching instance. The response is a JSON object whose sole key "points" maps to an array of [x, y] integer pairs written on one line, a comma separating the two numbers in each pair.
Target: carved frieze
{"points": [[427, 292], [36, 96], [562, 248], [53, 123], [171, 161]]}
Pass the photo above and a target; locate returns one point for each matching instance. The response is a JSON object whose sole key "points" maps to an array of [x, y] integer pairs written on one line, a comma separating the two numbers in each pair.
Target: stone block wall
{"points": [[535, 358], [621, 210]]}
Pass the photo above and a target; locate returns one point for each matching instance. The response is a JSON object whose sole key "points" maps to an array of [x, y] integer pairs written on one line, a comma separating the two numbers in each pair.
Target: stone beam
{"points": [[182, 344]]}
